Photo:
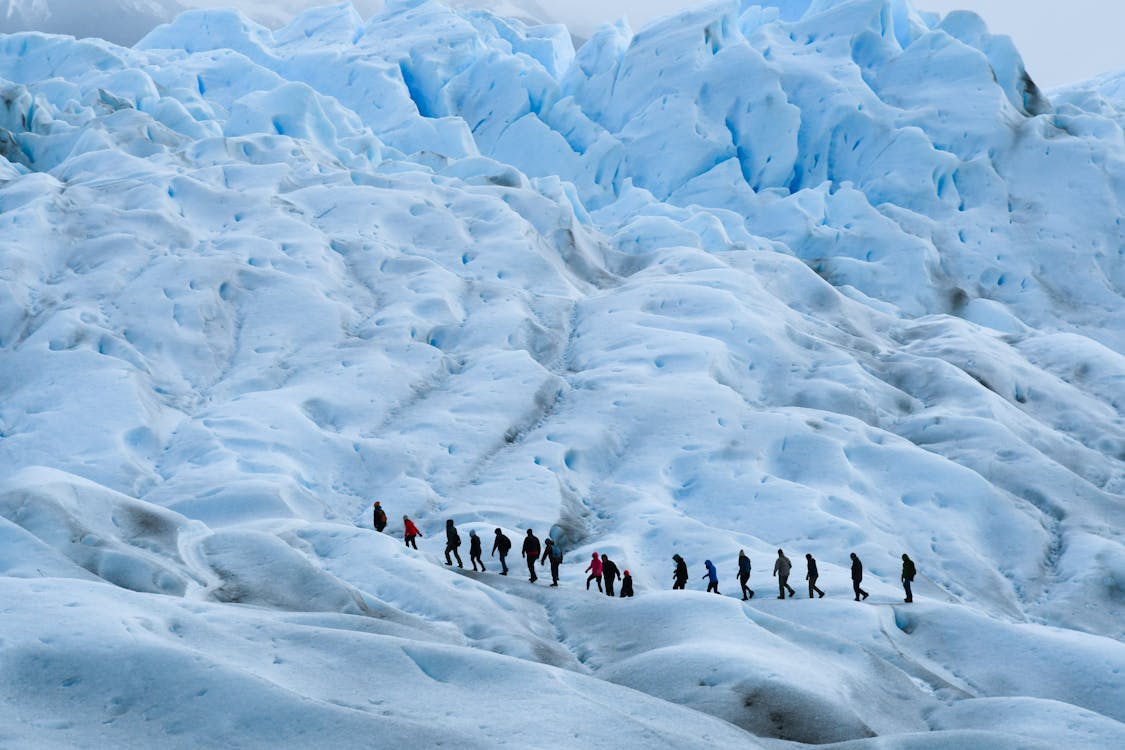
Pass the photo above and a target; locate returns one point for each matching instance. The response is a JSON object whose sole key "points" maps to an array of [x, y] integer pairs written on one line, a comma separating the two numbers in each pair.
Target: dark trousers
{"points": [[906, 587], [858, 591], [609, 586], [747, 592], [409, 540], [452, 548], [812, 587], [593, 577], [503, 564], [626, 587], [474, 559], [680, 583], [531, 567], [713, 586], [554, 571], [782, 585]]}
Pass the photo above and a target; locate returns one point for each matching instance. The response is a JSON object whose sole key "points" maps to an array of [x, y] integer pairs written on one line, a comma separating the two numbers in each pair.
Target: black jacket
{"points": [[503, 544], [857, 569], [681, 569], [474, 545], [531, 546], [812, 570], [610, 573]]}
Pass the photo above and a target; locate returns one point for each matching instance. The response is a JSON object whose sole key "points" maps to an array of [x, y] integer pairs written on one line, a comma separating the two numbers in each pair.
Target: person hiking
{"points": [[908, 573], [744, 575], [712, 577], [504, 544], [531, 552], [680, 577], [474, 550], [595, 571], [610, 574], [553, 554], [409, 531], [857, 576], [781, 568], [811, 576], [379, 516], [626, 585], [452, 542]]}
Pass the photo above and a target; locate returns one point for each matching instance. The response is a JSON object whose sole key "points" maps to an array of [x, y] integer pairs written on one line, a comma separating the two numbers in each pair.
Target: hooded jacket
{"points": [[595, 566], [681, 568], [712, 574]]}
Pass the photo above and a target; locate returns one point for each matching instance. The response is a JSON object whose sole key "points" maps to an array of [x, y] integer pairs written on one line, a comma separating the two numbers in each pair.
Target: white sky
{"points": [[1061, 42]]}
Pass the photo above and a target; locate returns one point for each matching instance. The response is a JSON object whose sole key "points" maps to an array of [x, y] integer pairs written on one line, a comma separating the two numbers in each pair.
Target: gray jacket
{"points": [[782, 566]]}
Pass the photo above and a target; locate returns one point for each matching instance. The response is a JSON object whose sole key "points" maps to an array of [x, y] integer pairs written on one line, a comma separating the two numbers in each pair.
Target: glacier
{"points": [[820, 275]]}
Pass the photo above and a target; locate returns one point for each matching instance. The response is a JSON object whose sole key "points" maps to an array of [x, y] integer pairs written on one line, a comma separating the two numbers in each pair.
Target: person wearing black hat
{"points": [[552, 553], [531, 552], [503, 544], [452, 542], [610, 573], [680, 577], [474, 550], [812, 575], [908, 573], [857, 576]]}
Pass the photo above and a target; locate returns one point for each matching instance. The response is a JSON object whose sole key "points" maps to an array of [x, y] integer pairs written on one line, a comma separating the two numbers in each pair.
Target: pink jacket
{"points": [[595, 565]]}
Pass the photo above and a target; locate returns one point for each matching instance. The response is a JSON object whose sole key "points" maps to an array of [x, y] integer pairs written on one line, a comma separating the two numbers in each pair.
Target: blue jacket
{"points": [[711, 572]]}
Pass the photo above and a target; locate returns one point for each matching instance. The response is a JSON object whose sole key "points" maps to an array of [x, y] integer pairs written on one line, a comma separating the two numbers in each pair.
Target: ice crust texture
{"points": [[827, 276]]}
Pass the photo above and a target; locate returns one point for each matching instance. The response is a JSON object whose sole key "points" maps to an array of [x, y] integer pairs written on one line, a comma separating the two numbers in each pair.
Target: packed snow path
{"points": [[828, 276]]}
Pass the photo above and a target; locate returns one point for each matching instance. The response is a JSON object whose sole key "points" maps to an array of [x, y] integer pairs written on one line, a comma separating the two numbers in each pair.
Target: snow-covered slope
{"points": [[827, 276]]}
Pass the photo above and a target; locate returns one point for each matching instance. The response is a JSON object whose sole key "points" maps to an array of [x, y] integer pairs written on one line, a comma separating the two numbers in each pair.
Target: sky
{"points": [[1061, 42]]}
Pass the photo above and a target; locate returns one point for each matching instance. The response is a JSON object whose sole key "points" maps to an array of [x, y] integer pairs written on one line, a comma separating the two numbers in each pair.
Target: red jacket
{"points": [[410, 529]]}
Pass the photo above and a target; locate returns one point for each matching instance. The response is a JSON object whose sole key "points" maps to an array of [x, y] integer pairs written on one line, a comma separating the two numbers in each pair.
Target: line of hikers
{"points": [[782, 566], [602, 570]]}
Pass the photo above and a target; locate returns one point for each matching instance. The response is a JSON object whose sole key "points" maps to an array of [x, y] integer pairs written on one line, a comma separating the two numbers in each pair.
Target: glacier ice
{"points": [[832, 276]]}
